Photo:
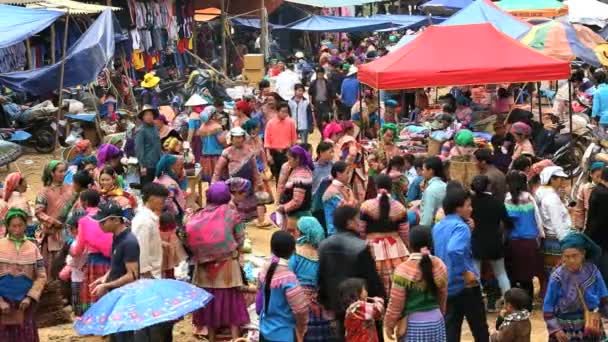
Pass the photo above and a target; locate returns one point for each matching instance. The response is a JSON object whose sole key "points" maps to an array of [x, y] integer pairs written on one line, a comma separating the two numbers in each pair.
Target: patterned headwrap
{"points": [[582, 242], [164, 164], [218, 193], [332, 128], [464, 137], [389, 127], [521, 128], [107, 152], [303, 156], [10, 184], [87, 160], [15, 212], [47, 174], [311, 231], [238, 184], [251, 124], [83, 145], [171, 144], [538, 167]]}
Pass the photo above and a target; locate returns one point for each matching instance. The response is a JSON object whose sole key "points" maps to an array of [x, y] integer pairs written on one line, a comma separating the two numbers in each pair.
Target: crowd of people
{"points": [[372, 244]]}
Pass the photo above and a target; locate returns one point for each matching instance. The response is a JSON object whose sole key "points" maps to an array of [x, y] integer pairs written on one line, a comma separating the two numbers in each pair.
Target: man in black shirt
{"points": [[124, 265]]}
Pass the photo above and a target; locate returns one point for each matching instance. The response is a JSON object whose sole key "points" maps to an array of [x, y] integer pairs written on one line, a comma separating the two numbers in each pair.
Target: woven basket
{"points": [[463, 171], [434, 147]]}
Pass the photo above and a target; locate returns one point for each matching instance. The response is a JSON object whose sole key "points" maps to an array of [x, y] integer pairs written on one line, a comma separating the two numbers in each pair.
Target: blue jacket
{"points": [[350, 91], [432, 199], [452, 241], [600, 103]]}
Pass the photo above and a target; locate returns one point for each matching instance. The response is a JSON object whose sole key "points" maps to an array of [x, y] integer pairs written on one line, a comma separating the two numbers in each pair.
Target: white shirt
{"points": [[554, 214], [145, 227], [285, 82]]}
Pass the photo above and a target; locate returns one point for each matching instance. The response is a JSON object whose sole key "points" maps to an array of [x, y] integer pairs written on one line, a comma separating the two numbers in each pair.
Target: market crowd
{"points": [[374, 240]]}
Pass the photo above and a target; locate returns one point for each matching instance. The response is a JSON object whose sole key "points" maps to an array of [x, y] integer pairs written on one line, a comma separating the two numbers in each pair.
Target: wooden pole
{"points": [[540, 105], [572, 146], [53, 59], [224, 52], [28, 47], [263, 30], [62, 74], [206, 64]]}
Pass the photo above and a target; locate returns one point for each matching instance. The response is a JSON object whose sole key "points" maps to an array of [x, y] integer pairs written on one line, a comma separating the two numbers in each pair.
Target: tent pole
{"points": [[224, 52], [540, 105], [361, 108], [570, 116], [53, 60], [61, 74], [30, 62]]}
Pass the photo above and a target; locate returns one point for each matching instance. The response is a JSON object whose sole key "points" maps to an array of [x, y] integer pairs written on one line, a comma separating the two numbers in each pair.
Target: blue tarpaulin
{"points": [[444, 6], [19, 23], [253, 23], [482, 11], [332, 3], [85, 59], [323, 23]]}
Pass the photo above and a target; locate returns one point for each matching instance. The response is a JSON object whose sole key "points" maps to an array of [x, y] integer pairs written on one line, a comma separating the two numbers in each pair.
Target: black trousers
{"points": [[279, 157], [323, 113], [468, 303], [149, 177]]}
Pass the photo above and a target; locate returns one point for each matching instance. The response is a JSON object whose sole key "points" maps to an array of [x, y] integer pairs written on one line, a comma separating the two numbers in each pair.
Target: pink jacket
{"points": [[90, 237]]}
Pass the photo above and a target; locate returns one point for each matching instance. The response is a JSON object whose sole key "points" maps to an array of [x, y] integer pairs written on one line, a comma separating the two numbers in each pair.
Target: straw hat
{"points": [[196, 100], [150, 80]]}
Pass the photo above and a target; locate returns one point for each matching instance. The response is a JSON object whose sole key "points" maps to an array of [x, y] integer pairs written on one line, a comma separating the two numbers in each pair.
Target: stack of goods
{"points": [[254, 68]]}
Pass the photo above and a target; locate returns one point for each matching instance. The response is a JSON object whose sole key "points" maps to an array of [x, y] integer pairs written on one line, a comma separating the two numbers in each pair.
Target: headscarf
{"points": [[332, 128], [311, 231], [164, 164], [347, 124], [538, 167], [303, 156], [87, 160], [171, 144], [218, 193], [464, 137], [389, 127], [251, 124], [238, 184], [207, 113], [82, 145], [521, 128], [10, 184], [582, 242], [107, 152], [47, 174], [597, 166], [15, 212]]}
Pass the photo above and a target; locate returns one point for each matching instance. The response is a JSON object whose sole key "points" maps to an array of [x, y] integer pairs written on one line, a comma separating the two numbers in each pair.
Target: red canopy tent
{"points": [[461, 55]]}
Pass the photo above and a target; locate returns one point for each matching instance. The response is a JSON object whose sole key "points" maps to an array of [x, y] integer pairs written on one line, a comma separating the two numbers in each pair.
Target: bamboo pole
{"points": [[62, 74], [224, 52], [53, 59], [28, 47]]}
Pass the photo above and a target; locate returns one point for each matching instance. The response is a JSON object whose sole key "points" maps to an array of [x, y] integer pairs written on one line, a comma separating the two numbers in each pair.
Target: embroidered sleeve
{"points": [[404, 231], [222, 162], [549, 306], [40, 280], [440, 274], [296, 201], [396, 302], [298, 302], [41, 205]]}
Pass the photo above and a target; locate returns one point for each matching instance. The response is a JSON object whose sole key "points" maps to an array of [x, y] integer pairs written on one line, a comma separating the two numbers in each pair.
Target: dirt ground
{"points": [[31, 165]]}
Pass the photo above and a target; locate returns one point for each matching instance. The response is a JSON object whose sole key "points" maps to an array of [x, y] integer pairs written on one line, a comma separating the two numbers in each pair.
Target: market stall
{"points": [[531, 9]]}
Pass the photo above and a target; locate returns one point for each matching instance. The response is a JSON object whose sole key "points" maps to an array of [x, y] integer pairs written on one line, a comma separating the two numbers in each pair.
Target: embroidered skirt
{"points": [[96, 267], [227, 308], [26, 332], [574, 325], [389, 251], [426, 326], [208, 166]]}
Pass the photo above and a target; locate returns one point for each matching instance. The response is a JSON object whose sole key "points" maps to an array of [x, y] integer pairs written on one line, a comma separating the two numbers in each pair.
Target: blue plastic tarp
{"points": [[85, 59], [253, 23], [323, 23], [445, 4], [332, 3], [19, 23], [480, 12]]}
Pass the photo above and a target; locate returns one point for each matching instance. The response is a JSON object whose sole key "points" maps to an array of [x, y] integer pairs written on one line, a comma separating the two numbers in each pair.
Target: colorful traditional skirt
{"points": [[196, 146], [26, 332], [96, 267], [76, 306], [574, 325], [208, 166], [425, 326], [552, 254], [320, 325], [389, 251], [523, 259], [228, 308]]}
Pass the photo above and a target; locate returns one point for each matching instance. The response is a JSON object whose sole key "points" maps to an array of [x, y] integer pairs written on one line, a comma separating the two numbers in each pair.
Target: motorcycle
{"points": [[35, 127]]}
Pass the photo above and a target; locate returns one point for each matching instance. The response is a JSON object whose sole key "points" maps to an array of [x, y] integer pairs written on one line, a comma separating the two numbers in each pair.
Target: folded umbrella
{"points": [[141, 304]]}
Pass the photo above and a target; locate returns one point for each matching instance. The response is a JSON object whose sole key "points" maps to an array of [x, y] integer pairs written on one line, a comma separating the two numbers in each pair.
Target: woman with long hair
{"points": [[296, 198], [49, 204], [434, 190], [110, 189], [419, 293], [522, 255], [217, 267], [385, 225], [349, 150], [386, 148], [170, 174], [281, 302], [396, 171], [337, 194]]}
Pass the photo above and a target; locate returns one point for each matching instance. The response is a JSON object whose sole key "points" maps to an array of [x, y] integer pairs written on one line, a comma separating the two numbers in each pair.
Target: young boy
{"points": [[301, 112], [513, 324], [414, 191]]}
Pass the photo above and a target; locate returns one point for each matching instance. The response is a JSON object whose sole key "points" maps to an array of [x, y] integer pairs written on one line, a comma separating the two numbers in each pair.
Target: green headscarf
{"points": [[311, 231], [15, 212], [464, 137], [391, 127], [164, 164], [583, 242], [47, 174]]}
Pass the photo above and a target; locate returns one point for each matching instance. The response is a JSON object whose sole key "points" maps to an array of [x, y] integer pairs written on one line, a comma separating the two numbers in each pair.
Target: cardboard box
{"points": [[254, 61], [253, 75]]}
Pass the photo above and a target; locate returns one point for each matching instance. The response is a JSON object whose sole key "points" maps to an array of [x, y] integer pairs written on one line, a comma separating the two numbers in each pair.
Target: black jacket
{"points": [[487, 238], [597, 216], [341, 256], [331, 91]]}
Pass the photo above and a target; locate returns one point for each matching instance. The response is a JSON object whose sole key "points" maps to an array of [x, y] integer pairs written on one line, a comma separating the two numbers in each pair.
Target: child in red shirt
{"points": [[361, 311]]}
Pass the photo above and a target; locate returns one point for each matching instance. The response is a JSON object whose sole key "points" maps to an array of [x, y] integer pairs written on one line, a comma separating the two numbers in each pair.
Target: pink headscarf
{"points": [[332, 128], [10, 184]]}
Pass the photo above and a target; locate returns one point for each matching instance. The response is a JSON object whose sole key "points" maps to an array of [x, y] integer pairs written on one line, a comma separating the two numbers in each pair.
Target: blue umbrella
{"points": [[141, 304]]}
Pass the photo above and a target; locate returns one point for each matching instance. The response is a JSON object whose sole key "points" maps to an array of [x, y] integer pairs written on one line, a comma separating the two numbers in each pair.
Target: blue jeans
{"points": [[303, 135], [498, 267]]}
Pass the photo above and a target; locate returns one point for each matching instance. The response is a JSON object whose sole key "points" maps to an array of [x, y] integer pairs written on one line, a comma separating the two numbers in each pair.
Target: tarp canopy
{"points": [[588, 12], [536, 8], [324, 23], [482, 11], [332, 3], [253, 23], [18, 23], [444, 7], [440, 57], [85, 59]]}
